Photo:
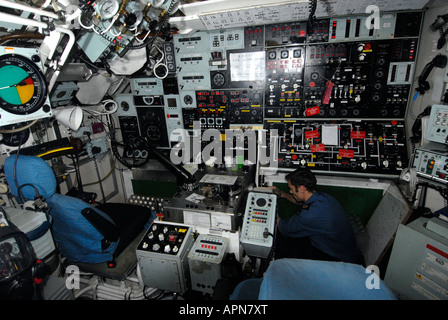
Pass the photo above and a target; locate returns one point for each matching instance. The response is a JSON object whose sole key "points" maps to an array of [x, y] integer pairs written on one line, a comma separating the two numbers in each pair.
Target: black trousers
{"points": [[299, 248]]}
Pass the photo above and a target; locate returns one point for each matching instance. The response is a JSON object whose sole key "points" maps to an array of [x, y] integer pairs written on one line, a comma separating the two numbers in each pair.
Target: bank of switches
{"points": [[339, 74], [170, 259], [354, 146]]}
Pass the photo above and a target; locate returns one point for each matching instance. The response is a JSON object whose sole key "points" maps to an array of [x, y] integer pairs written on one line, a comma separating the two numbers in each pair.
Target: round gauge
{"points": [[23, 89], [153, 133], [124, 106], [108, 8], [272, 55], [218, 80], [15, 139], [284, 54], [314, 76], [261, 202], [188, 99]]}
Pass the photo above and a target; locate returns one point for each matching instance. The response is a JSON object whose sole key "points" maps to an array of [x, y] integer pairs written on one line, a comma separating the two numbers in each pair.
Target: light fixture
{"points": [[70, 117]]}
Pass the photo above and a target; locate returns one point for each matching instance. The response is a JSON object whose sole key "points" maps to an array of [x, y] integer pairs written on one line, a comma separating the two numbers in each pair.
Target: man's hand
{"points": [[277, 191]]}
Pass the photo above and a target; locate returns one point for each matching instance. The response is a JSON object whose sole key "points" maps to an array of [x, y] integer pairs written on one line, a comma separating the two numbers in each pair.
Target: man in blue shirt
{"points": [[320, 231]]}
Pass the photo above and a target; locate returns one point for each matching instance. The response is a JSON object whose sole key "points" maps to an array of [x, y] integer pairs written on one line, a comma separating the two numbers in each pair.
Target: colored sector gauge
{"points": [[23, 89]]}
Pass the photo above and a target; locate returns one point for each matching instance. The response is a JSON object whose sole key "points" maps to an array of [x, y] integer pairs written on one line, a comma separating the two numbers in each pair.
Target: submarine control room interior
{"points": [[223, 150]]}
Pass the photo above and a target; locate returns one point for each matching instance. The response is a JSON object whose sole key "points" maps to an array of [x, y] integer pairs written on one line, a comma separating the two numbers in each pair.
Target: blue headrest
{"points": [[30, 170]]}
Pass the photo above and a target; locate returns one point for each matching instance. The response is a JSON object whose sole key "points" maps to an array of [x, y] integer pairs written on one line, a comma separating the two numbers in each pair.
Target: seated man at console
{"points": [[320, 231]]}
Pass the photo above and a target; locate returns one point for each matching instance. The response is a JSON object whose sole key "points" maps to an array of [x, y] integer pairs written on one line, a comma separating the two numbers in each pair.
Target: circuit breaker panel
{"points": [[337, 90]]}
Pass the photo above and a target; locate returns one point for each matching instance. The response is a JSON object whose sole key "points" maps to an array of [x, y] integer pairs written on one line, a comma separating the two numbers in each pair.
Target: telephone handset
{"points": [[439, 61]]}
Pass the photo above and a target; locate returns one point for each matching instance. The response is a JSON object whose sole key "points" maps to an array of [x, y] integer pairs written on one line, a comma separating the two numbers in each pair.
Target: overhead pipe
{"points": [[13, 5], [5, 17], [34, 23]]}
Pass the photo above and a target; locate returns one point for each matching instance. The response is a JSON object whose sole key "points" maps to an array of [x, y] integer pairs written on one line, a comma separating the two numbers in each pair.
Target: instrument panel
{"points": [[340, 77]]}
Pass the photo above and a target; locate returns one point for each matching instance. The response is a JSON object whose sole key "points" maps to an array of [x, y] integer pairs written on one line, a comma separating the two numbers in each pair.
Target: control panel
{"points": [[164, 238], [217, 109], [341, 146], [257, 233], [284, 82], [156, 205], [208, 248], [204, 260], [162, 256], [339, 72], [438, 124], [431, 162]]}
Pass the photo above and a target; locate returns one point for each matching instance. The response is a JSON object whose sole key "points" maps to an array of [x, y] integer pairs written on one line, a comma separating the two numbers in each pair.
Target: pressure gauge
{"points": [[15, 139], [284, 54], [23, 88], [218, 80], [108, 8]]}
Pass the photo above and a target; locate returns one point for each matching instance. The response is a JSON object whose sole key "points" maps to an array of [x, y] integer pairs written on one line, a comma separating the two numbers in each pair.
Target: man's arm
{"points": [[284, 195]]}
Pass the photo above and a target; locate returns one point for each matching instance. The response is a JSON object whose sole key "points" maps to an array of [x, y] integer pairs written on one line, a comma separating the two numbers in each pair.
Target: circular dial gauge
{"points": [[108, 8], [188, 99], [15, 139], [23, 89], [218, 80]]}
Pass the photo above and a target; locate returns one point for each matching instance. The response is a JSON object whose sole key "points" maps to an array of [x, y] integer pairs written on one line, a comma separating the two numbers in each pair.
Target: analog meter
{"points": [[23, 88], [108, 8]]}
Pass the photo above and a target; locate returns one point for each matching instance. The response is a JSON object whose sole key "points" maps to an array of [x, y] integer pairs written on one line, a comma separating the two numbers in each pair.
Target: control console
{"points": [[257, 234], [162, 256]]}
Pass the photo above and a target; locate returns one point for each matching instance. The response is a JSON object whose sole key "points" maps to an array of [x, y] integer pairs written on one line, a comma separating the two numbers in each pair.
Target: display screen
{"points": [[247, 66]]}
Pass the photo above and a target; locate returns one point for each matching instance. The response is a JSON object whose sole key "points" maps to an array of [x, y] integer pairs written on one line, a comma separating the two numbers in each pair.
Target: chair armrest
{"points": [[102, 223]]}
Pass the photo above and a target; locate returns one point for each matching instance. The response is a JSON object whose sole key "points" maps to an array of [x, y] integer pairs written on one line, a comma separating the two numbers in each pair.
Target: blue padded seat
{"points": [[299, 279], [80, 236]]}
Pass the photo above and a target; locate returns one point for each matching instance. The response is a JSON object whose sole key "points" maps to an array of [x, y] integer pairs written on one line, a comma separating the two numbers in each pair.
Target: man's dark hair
{"points": [[302, 177]]}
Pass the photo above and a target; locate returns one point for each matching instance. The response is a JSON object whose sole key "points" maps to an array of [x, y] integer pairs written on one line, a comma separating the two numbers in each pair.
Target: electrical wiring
{"points": [[83, 25], [114, 34], [144, 38], [74, 15], [158, 64], [109, 106], [54, 151], [109, 26], [19, 129], [312, 18]]}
